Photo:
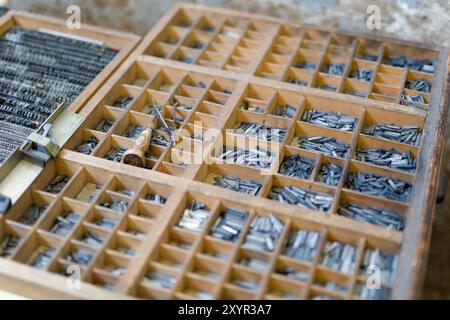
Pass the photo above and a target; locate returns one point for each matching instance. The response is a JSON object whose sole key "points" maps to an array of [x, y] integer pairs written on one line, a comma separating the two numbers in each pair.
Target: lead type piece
{"points": [[330, 173], [302, 245], [264, 233], [160, 279], [327, 145], [404, 134], [194, 217], [386, 264], [40, 70], [57, 184], [229, 224], [260, 131], [330, 119], [80, 256], [301, 197], [423, 65], [339, 256], [385, 218], [43, 258], [285, 111], [250, 187], [65, 222], [382, 186], [257, 158], [87, 146], [297, 166], [9, 243], [403, 161], [32, 215]]}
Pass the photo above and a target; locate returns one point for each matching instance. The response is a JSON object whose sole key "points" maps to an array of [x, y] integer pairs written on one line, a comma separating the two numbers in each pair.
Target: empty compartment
{"points": [[245, 279], [160, 277], [287, 268], [146, 210], [186, 55], [136, 227], [181, 239], [125, 245], [197, 288], [87, 186], [166, 81], [356, 88], [368, 50], [219, 250], [139, 74], [327, 82], [331, 281], [253, 260], [172, 257], [285, 289], [208, 268]]}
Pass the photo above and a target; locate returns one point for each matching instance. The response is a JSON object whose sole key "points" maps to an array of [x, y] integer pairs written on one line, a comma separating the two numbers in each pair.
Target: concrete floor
{"points": [[437, 281]]}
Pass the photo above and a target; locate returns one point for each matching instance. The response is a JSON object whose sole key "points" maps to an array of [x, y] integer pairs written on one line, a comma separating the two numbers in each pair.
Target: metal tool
{"points": [[24, 165], [46, 141], [136, 155]]}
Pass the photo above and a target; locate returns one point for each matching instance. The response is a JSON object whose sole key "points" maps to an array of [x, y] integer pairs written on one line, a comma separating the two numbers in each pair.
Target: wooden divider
{"points": [[237, 73], [274, 49]]}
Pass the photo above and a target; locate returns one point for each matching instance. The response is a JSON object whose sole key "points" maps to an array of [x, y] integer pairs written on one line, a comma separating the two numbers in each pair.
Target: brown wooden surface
{"points": [[187, 183]]}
